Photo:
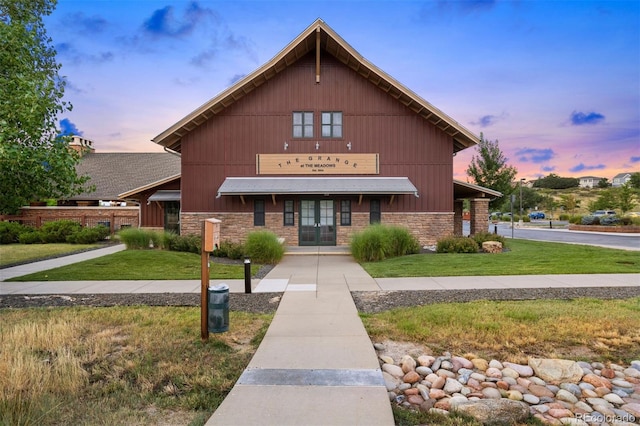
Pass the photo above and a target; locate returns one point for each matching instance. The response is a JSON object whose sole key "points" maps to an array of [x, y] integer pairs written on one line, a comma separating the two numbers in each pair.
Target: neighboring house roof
{"points": [[118, 173], [318, 35], [590, 177], [622, 175]]}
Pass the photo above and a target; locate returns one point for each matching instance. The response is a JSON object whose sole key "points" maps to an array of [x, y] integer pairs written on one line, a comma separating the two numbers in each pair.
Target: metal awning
{"points": [[317, 185], [165, 195]]}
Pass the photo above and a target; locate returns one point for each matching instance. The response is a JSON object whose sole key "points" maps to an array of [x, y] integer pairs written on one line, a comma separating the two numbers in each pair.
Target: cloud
{"points": [[535, 155], [67, 128], [548, 168], [635, 159], [581, 167], [580, 118], [489, 120], [236, 78], [164, 23], [467, 6], [74, 56], [80, 23]]}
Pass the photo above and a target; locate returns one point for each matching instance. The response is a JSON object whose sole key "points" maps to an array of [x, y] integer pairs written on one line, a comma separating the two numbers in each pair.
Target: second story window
{"points": [[303, 124], [331, 124]]}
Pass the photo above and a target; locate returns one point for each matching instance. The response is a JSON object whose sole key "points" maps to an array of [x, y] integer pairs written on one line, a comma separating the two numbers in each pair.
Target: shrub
{"points": [[576, 220], [401, 242], [264, 247], [230, 250], [590, 220], [565, 216], [135, 238], [609, 220], [370, 245], [481, 237], [186, 243], [89, 235], [457, 245], [378, 242], [10, 232], [57, 231], [31, 237]]}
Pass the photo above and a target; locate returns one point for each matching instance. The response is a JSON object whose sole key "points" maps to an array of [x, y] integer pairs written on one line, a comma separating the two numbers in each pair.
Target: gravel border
{"points": [[366, 302]]}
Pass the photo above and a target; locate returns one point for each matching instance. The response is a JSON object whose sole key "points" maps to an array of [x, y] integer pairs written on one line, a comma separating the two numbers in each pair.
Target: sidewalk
{"points": [[316, 364]]}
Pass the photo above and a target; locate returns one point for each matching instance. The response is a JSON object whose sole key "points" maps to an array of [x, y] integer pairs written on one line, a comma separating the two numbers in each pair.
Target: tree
{"points": [[635, 180], [603, 183], [35, 161], [553, 181], [489, 168], [626, 197]]}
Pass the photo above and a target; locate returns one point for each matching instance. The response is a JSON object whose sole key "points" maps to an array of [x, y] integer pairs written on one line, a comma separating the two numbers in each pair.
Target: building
{"points": [[621, 178], [589, 181], [138, 189], [317, 144]]}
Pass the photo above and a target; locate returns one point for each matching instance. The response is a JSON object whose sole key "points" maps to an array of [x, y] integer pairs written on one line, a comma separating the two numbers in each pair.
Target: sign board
{"points": [[317, 164], [211, 234]]}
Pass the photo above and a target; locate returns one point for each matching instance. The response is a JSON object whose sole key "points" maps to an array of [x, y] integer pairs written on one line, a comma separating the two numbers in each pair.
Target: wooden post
{"points": [[204, 286]]}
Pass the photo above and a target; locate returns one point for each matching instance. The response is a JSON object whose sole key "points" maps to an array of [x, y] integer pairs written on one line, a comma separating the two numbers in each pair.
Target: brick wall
{"points": [[87, 216]]}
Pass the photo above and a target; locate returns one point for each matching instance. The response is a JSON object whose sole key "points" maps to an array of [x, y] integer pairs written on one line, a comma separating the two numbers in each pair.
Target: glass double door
{"points": [[317, 223]]}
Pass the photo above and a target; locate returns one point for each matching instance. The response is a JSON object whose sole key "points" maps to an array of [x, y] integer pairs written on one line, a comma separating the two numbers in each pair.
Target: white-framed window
{"points": [[302, 124], [331, 124]]}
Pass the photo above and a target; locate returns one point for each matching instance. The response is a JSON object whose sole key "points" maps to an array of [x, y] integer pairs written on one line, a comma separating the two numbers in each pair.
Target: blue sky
{"points": [[557, 83]]}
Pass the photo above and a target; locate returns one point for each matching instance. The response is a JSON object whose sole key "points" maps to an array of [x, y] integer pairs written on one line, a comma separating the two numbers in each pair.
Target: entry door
{"points": [[317, 223], [172, 216]]}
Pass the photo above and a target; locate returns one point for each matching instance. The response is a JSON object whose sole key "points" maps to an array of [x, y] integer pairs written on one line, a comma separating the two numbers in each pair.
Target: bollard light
{"points": [[247, 275]]}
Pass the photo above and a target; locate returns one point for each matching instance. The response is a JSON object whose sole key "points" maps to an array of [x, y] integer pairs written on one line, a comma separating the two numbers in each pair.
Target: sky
{"points": [[556, 83]]}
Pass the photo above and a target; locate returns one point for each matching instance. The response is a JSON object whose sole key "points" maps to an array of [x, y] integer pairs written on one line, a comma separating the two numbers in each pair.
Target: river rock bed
{"points": [[555, 391]]}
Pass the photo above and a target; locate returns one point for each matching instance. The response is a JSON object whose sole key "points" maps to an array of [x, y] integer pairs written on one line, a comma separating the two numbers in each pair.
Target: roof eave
{"points": [[334, 44]]}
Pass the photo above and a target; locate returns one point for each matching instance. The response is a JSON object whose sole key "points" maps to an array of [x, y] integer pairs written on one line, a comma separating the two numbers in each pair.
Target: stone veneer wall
{"points": [[426, 227], [479, 208]]}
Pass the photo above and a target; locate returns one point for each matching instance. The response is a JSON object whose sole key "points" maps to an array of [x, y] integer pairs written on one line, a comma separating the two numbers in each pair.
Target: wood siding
{"points": [[152, 214], [261, 122]]}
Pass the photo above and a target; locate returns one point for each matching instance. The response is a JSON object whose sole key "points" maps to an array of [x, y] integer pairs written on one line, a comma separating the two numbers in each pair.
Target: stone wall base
{"points": [[426, 227]]}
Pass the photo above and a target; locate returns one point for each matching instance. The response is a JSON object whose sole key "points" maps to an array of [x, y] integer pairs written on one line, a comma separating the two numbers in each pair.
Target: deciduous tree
{"points": [[489, 168], [35, 162]]}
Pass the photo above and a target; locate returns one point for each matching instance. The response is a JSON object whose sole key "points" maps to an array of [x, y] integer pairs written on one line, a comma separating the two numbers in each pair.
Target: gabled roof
{"points": [[332, 43], [114, 173]]}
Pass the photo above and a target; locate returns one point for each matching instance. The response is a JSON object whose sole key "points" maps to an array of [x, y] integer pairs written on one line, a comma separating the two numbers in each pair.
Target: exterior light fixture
{"points": [[349, 145], [317, 146], [286, 145]]}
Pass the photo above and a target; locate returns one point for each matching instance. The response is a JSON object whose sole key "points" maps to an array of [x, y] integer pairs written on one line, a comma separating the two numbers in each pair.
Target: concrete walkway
{"points": [[316, 364]]}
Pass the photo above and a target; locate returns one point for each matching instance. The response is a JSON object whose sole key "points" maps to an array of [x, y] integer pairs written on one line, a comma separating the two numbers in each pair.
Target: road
{"points": [[540, 231]]}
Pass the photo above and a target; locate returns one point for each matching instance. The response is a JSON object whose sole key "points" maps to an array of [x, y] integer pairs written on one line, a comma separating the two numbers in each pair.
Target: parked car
{"points": [[603, 213], [536, 215]]}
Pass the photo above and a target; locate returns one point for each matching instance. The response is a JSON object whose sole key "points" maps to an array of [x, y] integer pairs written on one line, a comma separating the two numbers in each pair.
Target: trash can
{"points": [[218, 311]]}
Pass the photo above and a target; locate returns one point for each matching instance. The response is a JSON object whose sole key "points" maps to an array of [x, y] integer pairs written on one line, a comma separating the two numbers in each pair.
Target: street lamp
{"points": [[521, 180]]}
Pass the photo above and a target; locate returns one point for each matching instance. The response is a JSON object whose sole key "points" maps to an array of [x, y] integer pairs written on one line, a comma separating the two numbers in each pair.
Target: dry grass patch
{"points": [[582, 329], [123, 365]]}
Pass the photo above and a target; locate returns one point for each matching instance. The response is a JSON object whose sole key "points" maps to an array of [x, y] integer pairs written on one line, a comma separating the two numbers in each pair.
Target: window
{"points": [[258, 213], [374, 211], [345, 212], [303, 124], [288, 213], [331, 124]]}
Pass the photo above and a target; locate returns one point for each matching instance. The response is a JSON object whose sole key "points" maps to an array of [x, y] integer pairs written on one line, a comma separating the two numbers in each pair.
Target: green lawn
{"points": [[523, 257], [17, 253], [139, 265]]}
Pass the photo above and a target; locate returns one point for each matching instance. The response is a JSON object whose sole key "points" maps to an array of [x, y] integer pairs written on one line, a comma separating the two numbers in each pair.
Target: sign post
{"points": [[210, 242]]}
